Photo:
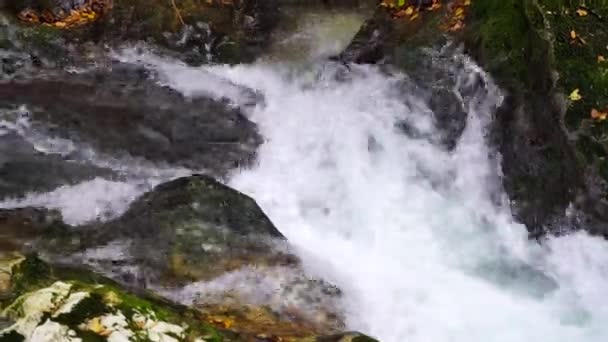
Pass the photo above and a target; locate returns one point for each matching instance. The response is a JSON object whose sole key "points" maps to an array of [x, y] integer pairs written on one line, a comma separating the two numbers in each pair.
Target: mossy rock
{"points": [[73, 304], [551, 145]]}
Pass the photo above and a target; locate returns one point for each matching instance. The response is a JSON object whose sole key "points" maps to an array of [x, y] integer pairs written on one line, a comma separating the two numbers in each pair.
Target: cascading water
{"points": [[411, 231]]}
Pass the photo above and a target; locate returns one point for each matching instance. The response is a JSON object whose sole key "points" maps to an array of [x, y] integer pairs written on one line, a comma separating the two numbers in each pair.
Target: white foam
{"points": [[98, 199], [411, 232]]}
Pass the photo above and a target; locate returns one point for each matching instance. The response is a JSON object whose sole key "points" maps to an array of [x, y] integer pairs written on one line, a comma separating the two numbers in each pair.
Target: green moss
{"points": [[507, 37], [90, 307], [29, 274]]}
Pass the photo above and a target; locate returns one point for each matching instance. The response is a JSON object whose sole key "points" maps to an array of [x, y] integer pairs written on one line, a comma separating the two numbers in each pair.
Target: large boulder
{"points": [[551, 143], [196, 228], [124, 111]]}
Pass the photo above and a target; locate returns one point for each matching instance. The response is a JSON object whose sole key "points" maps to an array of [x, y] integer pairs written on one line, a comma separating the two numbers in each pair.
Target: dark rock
{"points": [[187, 229], [24, 170], [543, 174], [196, 227], [123, 110]]}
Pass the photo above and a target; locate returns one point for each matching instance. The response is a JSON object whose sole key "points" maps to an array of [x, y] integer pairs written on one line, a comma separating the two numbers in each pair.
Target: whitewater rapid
{"points": [[419, 238], [411, 232]]}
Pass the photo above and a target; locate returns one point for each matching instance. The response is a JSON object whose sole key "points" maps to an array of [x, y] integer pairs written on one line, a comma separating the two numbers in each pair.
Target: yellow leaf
{"points": [[414, 17], [575, 95], [467, 2], [582, 12], [601, 59], [573, 34], [409, 10]]}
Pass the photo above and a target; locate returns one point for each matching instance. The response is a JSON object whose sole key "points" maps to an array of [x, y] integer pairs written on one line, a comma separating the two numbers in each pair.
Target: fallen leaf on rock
{"points": [[575, 95], [597, 115]]}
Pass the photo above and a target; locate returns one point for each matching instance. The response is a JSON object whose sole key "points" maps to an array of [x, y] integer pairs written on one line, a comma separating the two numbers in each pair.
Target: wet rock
{"points": [[23, 169], [550, 156], [124, 111], [21, 228], [197, 228], [192, 228], [76, 304]]}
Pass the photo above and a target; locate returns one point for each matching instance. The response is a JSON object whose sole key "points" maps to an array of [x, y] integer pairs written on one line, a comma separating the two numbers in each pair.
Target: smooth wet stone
{"points": [[123, 111], [23, 169]]}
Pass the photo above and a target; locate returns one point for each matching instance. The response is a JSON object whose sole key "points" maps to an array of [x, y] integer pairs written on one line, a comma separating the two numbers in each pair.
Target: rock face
{"points": [[552, 158], [123, 111], [44, 302]]}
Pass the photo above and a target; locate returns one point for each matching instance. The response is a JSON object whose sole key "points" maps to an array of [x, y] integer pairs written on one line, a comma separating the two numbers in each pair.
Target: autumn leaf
{"points": [[573, 34], [601, 59], [597, 115], [575, 95], [409, 10], [582, 12]]}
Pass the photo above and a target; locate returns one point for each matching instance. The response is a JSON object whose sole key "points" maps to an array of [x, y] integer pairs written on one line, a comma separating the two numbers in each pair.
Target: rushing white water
{"points": [[411, 232], [408, 230]]}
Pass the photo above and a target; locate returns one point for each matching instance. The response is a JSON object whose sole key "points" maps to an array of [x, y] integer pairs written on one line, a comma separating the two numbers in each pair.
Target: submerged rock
{"points": [[48, 302], [23, 169], [123, 110]]}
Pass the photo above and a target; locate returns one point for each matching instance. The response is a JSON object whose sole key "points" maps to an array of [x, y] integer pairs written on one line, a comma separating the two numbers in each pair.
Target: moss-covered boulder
{"points": [[197, 228], [54, 303], [546, 53]]}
